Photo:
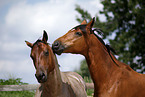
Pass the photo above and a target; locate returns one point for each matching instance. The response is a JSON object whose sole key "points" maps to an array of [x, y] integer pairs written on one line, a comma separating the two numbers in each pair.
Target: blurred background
{"points": [[22, 20], [122, 21]]}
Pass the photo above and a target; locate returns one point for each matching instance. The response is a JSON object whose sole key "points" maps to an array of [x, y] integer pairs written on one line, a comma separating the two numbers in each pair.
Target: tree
{"points": [[84, 71], [126, 20]]}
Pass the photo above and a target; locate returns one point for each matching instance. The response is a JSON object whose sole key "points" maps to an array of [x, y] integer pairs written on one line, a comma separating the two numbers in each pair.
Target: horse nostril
{"points": [[57, 47], [40, 76], [56, 44], [43, 75]]}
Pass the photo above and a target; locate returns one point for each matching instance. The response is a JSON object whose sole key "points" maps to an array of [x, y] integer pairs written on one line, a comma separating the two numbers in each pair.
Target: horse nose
{"points": [[41, 77], [56, 45]]}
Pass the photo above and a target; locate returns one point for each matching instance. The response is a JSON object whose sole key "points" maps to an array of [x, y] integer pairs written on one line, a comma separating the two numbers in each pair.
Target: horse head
{"points": [[74, 41], [41, 54]]}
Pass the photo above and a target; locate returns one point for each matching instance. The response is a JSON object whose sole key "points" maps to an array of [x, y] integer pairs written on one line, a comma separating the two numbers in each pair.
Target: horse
{"points": [[111, 77], [53, 83]]}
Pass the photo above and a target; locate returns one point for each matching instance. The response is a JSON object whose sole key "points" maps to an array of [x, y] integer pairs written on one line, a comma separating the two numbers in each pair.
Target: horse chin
{"points": [[41, 77], [59, 52], [42, 80]]}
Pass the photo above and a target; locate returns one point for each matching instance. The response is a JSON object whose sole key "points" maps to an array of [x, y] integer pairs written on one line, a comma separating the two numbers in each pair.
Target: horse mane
{"points": [[106, 45], [82, 27], [102, 41]]}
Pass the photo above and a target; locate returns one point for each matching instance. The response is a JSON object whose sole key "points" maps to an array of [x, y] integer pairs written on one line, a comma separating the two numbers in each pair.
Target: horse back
{"points": [[130, 83], [75, 83]]}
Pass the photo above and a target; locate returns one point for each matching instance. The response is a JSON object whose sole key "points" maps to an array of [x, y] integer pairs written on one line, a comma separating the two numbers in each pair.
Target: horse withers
{"points": [[111, 78], [53, 82]]}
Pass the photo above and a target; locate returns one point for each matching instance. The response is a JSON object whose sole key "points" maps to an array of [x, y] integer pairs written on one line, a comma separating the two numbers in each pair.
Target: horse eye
{"points": [[46, 53], [78, 33]]}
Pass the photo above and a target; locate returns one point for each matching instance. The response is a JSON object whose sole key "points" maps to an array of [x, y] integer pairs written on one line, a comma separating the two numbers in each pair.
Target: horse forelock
{"points": [[81, 27], [39, 41]]}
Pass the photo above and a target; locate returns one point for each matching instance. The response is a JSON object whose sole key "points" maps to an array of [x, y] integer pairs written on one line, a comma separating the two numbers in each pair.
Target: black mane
{"points": [[83, 29], [106, 45]]}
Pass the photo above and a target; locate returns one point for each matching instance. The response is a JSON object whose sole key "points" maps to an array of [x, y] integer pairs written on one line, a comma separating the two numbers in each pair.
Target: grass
{"points": [[13, 81], [17, 94]]}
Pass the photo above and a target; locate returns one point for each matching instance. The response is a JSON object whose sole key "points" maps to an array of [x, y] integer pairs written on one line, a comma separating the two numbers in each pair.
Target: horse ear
{"points": [[29, 44], [91, 23], [45, 36], [84, 22]]}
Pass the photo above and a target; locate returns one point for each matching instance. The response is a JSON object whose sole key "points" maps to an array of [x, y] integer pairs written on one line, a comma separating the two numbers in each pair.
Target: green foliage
{"points": [[90, 92], [84, 14], [84, 71], [17, 94], [13, 81], [88, 79], [126, 20]]}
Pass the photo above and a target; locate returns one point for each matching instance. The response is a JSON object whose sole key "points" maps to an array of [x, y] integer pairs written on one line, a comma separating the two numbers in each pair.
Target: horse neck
{"points": [[99, 62], [53, 86]]}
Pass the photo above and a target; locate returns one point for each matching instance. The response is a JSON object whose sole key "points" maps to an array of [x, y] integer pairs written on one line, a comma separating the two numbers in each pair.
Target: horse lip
{"points": [[59, 50], [42, 80]]}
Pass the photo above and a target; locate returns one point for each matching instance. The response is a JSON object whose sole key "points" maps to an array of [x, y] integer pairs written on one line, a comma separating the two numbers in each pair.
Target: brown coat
{"points": [[111, 78]]}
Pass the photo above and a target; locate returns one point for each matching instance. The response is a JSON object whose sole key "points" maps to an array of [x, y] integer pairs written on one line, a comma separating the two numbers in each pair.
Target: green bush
{"points": [[13, 81], [90, 92], [17, 93]]}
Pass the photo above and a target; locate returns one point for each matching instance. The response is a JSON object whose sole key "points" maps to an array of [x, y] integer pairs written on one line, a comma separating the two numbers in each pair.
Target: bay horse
{"points": [[111, 77], [53, 82]]}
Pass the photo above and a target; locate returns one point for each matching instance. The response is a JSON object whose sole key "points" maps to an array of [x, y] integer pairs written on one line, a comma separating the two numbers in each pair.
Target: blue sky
{"points": [[22, 20]]}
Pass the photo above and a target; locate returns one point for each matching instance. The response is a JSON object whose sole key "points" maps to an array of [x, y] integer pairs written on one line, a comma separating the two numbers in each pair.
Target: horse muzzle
{"points": [[57, 47], [41, 77]]}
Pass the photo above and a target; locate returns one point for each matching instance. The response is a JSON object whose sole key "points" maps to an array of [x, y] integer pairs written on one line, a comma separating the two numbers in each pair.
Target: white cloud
{"points": [[69, 62], [26, 21]]}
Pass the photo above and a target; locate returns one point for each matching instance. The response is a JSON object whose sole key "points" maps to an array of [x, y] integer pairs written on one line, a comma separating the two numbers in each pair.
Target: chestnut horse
{"points": [[53, 82], [111, 78]]}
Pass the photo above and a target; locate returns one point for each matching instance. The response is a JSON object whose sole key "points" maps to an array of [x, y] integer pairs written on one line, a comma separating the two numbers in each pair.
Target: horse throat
{"points": [[99, 63], [53, 86]]}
